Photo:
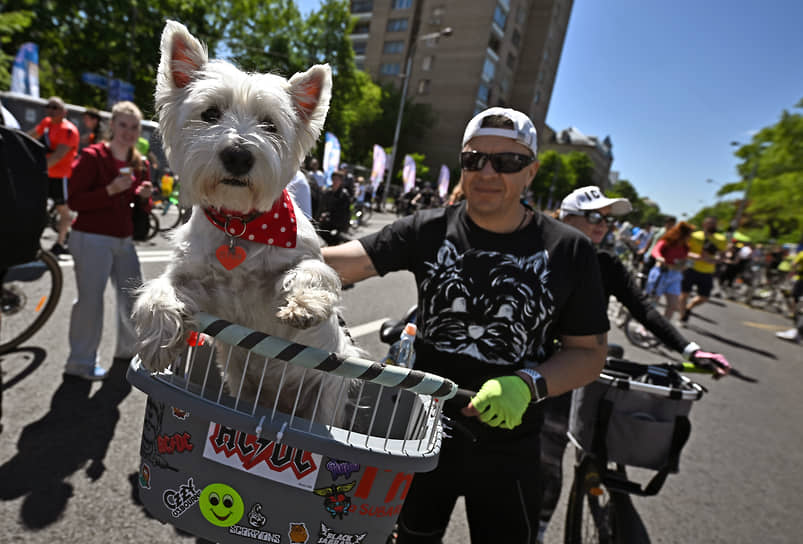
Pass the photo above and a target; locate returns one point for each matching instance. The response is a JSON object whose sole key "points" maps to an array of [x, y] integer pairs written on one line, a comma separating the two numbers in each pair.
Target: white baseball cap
{"points": [[523, 130], [589, 198]]}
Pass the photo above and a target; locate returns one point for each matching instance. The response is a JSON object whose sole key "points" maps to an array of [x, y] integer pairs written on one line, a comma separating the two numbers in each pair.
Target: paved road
{"points": [[70, 451]]}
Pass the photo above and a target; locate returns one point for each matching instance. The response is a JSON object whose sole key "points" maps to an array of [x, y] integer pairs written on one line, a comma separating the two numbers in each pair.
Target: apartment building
{"points": [[571, 139], [499, 53]]}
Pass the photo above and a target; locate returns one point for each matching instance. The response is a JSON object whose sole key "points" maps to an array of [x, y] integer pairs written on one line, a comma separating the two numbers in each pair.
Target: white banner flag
{"points": [[331, 156], [408, 174], [25, 71], [378, 168], [443, 181]]}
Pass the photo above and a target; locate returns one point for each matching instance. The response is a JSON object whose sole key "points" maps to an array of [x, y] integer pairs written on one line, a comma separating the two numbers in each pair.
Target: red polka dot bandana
{"points": [[275, 227]]}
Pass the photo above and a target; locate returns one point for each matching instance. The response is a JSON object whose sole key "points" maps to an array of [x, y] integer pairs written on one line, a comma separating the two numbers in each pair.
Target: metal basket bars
{"points": [[388, 410]]}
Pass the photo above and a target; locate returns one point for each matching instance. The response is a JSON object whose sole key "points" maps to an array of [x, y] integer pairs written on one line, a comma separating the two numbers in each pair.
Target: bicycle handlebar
{"points": [[688, 366]]}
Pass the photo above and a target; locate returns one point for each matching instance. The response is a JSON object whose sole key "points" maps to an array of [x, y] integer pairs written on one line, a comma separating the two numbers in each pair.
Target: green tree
{"points": [[774, 160], [11, 23], [417, 119], [554, 179], [110, 36], [581, 168]]}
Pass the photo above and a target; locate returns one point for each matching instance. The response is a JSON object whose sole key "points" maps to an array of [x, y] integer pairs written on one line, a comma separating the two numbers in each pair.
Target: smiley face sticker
{"points": [[221, 505]]}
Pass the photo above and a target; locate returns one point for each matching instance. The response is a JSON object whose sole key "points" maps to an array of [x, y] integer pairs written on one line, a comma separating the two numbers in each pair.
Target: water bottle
{"points": [[401, 352]]}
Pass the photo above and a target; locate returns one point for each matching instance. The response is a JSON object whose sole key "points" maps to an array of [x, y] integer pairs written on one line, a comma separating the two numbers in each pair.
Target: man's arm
{"points": [[57, 154], [578, 363], [350, 261]]}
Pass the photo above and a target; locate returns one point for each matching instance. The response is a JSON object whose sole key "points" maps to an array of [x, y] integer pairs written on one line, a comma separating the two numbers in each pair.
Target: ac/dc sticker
{"points": [[298, 533], [341, 468], [262, 457], [327, 536], [336, 502], [174, 443], [180, 500]]}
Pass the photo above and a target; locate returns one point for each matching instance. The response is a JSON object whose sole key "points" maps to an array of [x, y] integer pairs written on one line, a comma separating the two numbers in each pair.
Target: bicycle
{"points": [[173, 214], [30, 293], [632, 415]]}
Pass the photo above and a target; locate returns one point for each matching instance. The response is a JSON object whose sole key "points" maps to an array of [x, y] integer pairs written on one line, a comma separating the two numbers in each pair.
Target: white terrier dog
{"points": [[247, 255]]}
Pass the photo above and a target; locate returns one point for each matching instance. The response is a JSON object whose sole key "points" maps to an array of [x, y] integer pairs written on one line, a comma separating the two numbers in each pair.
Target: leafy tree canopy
{"points": [[773, 161]]}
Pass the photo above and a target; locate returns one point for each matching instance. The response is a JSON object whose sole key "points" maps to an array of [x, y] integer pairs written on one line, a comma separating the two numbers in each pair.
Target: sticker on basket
{"points": [[341, 468], [262, 457], [327, 536], [336, 502], [151, 430], [221, 505], [145, 476], [174, 443], [256, 521], [298, 533], [179, 501], [395, 494], [178, 413]]}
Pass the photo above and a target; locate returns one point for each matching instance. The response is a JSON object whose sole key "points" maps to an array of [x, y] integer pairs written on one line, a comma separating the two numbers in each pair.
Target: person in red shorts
{"points": [[61, 138]]}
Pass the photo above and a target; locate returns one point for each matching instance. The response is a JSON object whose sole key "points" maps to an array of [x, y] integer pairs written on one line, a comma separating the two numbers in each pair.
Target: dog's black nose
{"points": [[237, 160]]}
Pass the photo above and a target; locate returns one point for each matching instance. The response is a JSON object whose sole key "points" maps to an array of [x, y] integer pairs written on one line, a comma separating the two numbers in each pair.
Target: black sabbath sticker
{"points": [[327, 536]]}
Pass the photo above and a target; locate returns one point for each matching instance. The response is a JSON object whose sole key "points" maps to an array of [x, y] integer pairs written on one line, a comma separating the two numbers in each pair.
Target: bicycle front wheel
{"points": [[589, 514], [169, 216], [30, 293], [639, 335]]}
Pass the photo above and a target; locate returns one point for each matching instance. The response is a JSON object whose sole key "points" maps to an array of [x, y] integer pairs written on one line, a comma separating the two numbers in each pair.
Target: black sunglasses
{"points": [[503, 163], [595, 217], [52, 107]]}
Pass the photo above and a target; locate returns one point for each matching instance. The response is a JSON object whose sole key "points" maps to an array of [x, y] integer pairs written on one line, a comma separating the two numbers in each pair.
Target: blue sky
{"points": [[673, 83]]}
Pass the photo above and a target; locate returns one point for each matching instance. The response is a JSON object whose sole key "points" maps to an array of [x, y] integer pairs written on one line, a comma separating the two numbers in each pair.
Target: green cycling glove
{"points": [[502, 401]]}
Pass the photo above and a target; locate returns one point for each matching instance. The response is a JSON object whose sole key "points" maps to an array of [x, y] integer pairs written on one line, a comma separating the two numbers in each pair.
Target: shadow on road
{"points": [[77, 429], [733, 343], [33, 356]]}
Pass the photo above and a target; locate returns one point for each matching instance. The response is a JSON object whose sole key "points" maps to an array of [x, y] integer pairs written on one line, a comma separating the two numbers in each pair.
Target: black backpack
{"points": [[23, 196]]}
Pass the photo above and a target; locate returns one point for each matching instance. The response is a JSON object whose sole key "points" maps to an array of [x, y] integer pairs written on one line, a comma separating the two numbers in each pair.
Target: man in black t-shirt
{"points": [[497, 283]]}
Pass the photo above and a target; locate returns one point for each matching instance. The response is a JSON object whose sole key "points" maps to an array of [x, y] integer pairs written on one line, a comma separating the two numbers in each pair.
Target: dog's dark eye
{"points": [[267, 125], [211, 114]]}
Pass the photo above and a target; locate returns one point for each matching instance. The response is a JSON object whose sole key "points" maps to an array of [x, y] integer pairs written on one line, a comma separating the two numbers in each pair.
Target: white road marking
{"points": [[366, 328]]}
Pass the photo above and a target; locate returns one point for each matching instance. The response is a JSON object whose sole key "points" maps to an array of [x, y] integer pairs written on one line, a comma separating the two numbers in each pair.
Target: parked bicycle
{"points": [[30, 293]]}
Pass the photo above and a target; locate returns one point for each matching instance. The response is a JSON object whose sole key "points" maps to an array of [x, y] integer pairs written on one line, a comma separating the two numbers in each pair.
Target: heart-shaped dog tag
{"points": [[230, 257]]}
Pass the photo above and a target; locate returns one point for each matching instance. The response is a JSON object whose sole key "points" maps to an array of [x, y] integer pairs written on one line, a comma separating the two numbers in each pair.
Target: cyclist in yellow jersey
{"points": [[705, 248]]}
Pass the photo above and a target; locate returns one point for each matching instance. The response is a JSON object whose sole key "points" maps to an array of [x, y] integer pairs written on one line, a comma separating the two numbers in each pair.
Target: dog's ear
{"points": [[311, 91], [182, 54]]}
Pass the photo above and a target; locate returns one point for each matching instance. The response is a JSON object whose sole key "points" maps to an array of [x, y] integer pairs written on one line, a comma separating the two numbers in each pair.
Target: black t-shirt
{"points": [[488, 302]]}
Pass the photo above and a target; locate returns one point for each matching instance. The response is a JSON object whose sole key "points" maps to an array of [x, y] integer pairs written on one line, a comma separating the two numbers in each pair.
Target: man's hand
{"points": [[500, 402]]}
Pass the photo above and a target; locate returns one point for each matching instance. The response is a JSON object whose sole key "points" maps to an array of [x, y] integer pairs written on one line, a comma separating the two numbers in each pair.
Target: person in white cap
{"points": [[497, 282], [588, 210]]}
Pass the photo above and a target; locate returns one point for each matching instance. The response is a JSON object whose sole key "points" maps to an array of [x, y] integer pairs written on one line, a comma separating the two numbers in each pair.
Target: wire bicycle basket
{"points": [[227, 468]]}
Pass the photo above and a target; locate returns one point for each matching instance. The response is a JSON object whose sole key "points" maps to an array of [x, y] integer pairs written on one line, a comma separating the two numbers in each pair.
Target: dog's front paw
{"points": [[158, 320], [312, 292], [307, 309]]}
